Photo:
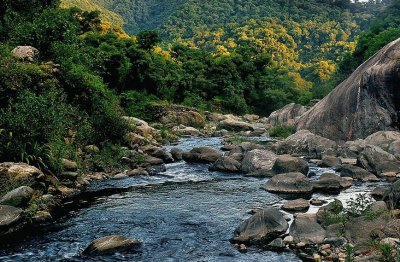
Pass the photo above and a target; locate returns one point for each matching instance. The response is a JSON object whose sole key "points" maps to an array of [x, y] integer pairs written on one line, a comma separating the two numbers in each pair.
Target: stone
{"points": [[357, 173], [120, 176], [92, 149], [261, 173], [286, 115], [214, 117], [69, 175], [358, 230], [234, 125], [18, 197], [69, 165], [18, 171], [112, 244], [160, 153], [25, 53], [153, 161], [330, 161], [382, 139], [376, 160], [298, 205], [346, 113], [331, 183], [226, 164], [137, 172], [306, 229], [174, 115], [317, 202], [177, 154], [305, 143], [202, 155], [9, 216], [378, 193], [289, 183], [42, 217], [287, 164], [262, 227], [187, 131], [288, 240], [378, 207], [276, 245], [251, 118], [392, 195], [394, 149], [258, 159]]}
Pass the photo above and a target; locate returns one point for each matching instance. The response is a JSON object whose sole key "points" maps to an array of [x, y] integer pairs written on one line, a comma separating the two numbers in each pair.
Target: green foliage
{"points": [[137, 103], [349, 251], [358, 206], [281, 131], [147, 39]]}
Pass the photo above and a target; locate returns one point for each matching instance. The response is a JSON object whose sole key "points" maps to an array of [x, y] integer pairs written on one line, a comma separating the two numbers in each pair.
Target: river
{"points": [[184, 214]]}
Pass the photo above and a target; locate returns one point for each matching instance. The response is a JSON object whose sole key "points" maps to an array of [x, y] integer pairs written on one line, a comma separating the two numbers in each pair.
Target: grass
{"points": [[281, 131]]}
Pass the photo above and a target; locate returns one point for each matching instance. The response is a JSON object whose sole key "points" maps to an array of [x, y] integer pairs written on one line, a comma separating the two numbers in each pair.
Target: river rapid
{"points": [[184, 214]]}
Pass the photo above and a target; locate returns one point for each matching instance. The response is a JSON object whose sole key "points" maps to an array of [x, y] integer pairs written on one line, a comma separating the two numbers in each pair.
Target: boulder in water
{"points": [[112, 244]]}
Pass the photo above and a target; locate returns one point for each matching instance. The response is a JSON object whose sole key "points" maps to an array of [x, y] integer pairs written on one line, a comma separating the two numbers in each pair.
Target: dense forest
{"points": [[88, 73]]}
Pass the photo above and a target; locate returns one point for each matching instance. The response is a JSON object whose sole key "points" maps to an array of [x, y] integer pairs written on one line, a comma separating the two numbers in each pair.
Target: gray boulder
{"points": [[363, 104], [306, 229], [305, 143], [297, 205], [382, 139], [262, 227], [226, 164], [287, 164], [25, 53], [392, 195], [235, 125], [333, 208], [112, 244], [357, 173], [202, 155], [258, 159], [331, 183], [394, 149], [378, 161], [286, 115], [18, 197], [177, 153], [289, 183], [9, 215]]}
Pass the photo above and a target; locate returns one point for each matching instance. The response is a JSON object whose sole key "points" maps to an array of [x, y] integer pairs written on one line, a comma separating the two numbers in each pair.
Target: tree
{"points": [[147, 39]]}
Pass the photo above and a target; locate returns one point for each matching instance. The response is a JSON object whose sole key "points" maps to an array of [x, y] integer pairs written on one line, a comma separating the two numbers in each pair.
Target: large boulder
{"points": [[18, 171], [18, 197], [287, 164], [289, 183], [25, 53], [262, 227], [378, 161], [238, 151], [383, 139], [306, 229], [296, 205], [235, 125], [394, 149], [111, 245], [9, 215], [258, 159], [141, 127], [203, 154], [305, 143], [177, 115], [226, 164], [331, 183], [363, 104], [286, 115], [392, 195], [357, 173], [358, 230]]}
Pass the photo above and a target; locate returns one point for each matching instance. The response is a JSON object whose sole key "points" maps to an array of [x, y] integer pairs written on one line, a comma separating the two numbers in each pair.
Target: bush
{"points": [[281, 131], [137, 103]]}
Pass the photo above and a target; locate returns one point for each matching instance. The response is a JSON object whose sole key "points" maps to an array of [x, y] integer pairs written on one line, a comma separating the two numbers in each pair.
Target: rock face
{"points": [[111, 244], [286, 115], [289, 183], [25, 53], [258, 159], [306, 229], [287, 164], [305, 143], [226, 164], [202, 155], [346, 113], [9, 215], [18, 197], [262, 227]]}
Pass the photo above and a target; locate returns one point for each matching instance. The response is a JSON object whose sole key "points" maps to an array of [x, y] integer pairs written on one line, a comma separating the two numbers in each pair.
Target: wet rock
{"points": [[331, 183], [357, 173], [177, 153], [297, 205], [235, 125], [69, 175], [25, 53], [262, 227], [287, 164], [305, 143], [317, 202], [332, 208], [111, 245], [153, 161], [160, 153], [376, 160], [120, 176], [261, 173], [276, 245], [289, 183], [226, 164], [378, 193], [18, 197], [346, 113], [9, 216], [202, 155], [286, 115], [42, 217], [156, 170], [137, 172], [258, 159], [330, 161], [306, 229]]}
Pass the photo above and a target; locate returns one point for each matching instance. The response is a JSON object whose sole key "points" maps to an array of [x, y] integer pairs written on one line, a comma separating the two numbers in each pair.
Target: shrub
{"points": [[281, 131]]}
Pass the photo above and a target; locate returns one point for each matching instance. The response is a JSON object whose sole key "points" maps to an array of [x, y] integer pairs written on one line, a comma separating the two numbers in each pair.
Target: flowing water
{"points": [[185, 214]]}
